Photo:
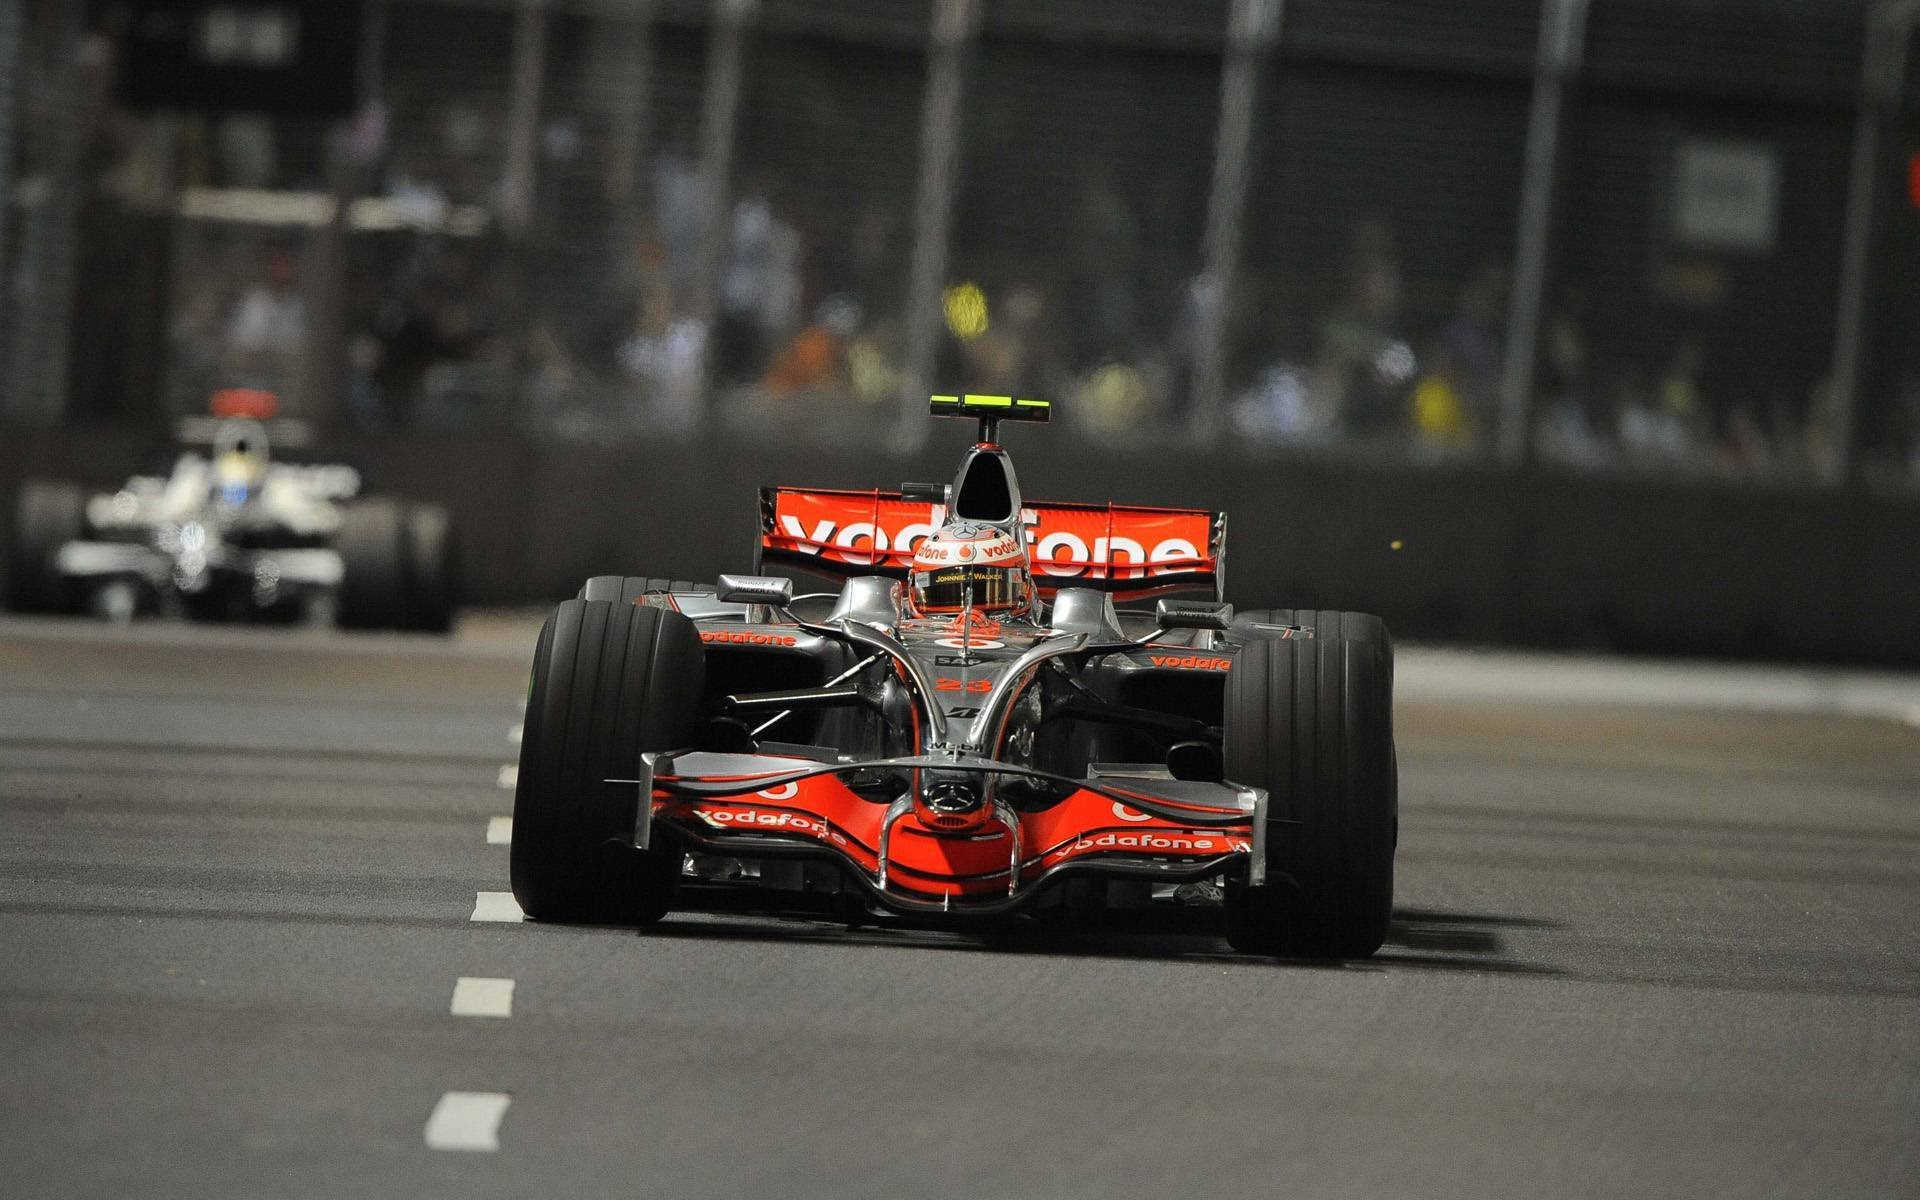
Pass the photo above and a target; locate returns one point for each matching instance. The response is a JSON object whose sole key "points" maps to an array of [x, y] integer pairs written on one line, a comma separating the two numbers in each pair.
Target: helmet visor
{"points": [[951, 589]]}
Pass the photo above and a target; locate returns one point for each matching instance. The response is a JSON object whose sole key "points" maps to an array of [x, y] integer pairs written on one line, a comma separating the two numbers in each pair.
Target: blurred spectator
{"points": [[1105, 264], [815, 359], [1365, 367], [1574, 420], [1439, 409], [760, 288], [1279, 405], [268, 328], [1014, 353], [676, 201], [1472, 343], [1114, 400], [1668, 427], [875, 373]]}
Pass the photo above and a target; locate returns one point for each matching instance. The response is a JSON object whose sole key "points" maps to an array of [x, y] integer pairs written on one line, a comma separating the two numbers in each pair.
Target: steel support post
{"points": [[9, 75], [719, 114], [529, 71], [955, 24], [1562, 32], [40, 294], [1882, 81], [1253, 26], [623, 70], [320, 387]]}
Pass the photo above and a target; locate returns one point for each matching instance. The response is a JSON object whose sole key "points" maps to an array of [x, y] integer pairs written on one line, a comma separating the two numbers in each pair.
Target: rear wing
{"points": [[1130, 551]]}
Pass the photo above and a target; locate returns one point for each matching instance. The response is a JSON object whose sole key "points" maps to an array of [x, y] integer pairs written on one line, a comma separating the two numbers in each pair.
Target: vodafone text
{"points": [[1058, 553]]}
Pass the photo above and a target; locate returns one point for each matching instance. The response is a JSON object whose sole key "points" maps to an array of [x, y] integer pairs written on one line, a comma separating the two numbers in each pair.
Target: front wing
{"points": [[758, 805]]}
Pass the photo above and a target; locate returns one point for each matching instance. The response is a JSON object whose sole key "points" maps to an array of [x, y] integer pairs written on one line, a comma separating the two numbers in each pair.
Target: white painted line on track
{"points": [[509, 776], [474, 996], [496, 906], [515, 733], [499, 831], [467, 1121]]}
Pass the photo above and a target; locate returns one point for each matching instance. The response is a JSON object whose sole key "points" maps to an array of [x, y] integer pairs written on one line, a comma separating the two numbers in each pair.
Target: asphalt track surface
{"points": [[1640, 951]]}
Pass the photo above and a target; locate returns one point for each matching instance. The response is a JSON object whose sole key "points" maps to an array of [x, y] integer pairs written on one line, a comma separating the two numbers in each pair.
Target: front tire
{"points": [[610, 681], [1311, 721]]}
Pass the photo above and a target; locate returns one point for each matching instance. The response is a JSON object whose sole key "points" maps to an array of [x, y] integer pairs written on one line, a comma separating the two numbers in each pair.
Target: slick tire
{"points": [[1263, 624], [1311, 721], [610, 681], [625, 589], [374, 555], [47, 517], [430, 568]]}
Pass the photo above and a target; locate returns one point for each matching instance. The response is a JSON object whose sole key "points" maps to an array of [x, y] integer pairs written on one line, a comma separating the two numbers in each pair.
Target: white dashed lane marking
{"points": [[509, 776], [478, 997], [499, 831], [467, 1121], [496, 906]]}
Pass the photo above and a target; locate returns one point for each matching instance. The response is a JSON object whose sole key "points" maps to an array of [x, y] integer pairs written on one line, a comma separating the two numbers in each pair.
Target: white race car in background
{"points": [[230, 534]]}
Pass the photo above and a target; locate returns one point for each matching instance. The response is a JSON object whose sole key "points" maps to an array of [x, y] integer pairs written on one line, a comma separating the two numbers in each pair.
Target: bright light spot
{"points": [[966, 309], [1395, 544]]}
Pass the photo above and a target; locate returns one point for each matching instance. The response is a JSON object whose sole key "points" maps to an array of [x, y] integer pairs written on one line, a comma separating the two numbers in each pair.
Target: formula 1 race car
{"points": [[968, 727], [232, 534]]}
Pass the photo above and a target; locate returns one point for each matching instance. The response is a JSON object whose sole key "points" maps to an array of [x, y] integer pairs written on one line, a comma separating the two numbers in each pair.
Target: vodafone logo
{"points": [[1058, 553], [731, 638], [1187, 662], [759, 820], [1065, 555], [1127, 814], [785, 791], [1167, 843]]}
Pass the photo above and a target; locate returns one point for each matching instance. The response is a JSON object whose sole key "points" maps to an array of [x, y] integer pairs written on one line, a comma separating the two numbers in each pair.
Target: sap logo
{"points": [[1187, 662], [730, 638]]}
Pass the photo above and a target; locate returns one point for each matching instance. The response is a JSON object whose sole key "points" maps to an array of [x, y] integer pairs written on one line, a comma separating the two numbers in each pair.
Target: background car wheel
{"points": [[1311, 720], [610, 681], [430, 562], [625, 589], [374, 555], [48, 516]]}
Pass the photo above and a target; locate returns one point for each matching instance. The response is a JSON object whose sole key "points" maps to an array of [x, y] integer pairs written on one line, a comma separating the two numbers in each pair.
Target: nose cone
{"points": [[951, 805]]}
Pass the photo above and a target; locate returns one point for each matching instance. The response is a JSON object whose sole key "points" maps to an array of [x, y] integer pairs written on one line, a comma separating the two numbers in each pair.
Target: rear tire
{"points": [[1311, 721], [610, 681], [47, 517], [374, 558], [430, 561], [627, 589]]}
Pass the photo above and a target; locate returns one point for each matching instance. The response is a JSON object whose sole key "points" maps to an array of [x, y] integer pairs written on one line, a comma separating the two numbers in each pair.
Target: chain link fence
{"points": [[1607, 234]]}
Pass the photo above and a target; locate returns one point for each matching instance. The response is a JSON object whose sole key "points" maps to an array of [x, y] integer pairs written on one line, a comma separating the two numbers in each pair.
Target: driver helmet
{"points": [[965, 565], [239, 468]]}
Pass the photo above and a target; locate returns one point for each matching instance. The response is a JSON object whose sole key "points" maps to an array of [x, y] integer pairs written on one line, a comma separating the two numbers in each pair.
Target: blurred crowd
{"points": [[586, 323]]}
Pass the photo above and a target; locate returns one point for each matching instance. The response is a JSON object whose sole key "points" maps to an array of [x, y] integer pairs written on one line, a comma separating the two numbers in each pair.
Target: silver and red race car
{"points": [[968, 728]]}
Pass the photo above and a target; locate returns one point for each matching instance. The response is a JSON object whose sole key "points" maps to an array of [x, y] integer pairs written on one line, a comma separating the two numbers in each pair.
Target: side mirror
{"points": [[755, 589], [935, 493], [1191, 614]]}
